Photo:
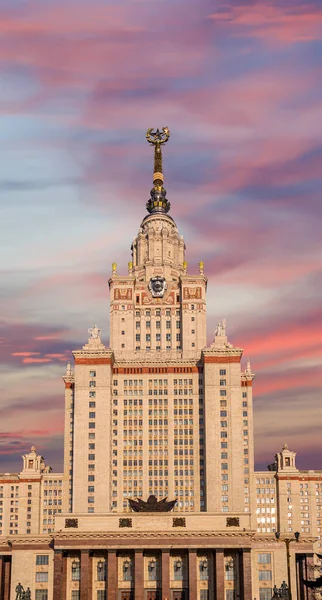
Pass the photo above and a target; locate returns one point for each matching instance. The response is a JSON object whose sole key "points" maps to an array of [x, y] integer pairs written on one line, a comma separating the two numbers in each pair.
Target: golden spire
{"points": [[158, 202], [156, 139]]}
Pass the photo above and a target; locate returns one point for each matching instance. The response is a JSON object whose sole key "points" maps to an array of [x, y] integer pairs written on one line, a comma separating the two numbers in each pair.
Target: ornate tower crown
{"points": [[158, 202]]}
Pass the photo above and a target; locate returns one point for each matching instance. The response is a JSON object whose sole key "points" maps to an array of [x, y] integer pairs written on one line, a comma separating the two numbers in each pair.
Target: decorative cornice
{"points": [[61, 535], [156, 361]]}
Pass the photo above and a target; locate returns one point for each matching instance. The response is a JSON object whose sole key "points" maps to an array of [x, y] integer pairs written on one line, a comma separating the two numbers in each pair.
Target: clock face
{"points": [[157, 286]]}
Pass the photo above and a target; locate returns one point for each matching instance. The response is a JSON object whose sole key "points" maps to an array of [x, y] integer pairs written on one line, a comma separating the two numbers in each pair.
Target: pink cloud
{"points": [[35, 360], [274, 22], [24, 353]]}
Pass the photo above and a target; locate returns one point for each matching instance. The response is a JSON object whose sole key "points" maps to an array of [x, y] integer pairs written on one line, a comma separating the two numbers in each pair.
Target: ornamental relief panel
{"points": [[192, 293], [122, 294]]}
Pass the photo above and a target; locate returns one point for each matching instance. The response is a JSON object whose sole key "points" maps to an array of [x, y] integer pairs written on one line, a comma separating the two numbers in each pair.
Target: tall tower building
{"points": [[158, 412]]}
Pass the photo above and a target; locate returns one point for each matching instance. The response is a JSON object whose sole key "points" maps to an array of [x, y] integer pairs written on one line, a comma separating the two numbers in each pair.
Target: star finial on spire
{"points": [[158, 201]]}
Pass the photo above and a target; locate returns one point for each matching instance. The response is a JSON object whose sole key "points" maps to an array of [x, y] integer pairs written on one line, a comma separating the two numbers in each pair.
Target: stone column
{"points": [[112, 575], [58, 572], [7, 579], [192, 572], [220, 575], [245, 574], [165, 574], [85, 581], [138, 575]]}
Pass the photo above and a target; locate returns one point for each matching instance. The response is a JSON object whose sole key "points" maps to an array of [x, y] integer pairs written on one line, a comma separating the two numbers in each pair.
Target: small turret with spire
{"points": [[158, 202]]}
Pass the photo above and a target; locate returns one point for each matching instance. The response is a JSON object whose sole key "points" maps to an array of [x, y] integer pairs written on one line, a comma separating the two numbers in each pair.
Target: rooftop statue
{"points": [[94, 332], [152, 505]]}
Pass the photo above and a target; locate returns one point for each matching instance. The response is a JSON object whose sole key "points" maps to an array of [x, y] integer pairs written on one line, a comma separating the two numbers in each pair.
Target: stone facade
{"points": [[158, 412]]}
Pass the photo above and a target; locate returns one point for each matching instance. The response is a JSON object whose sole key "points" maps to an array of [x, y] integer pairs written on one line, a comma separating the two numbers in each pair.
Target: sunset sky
{"points": [[239, 84]]}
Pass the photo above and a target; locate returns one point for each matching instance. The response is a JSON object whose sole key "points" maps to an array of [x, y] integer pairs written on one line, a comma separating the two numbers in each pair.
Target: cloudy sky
{"points": [[240, 85]]}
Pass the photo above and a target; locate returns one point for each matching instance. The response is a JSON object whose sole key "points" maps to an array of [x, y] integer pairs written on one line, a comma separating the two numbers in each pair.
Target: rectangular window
{"points": [[265, 593], [91, 415], [222, 372], [41, 594], [75, 594], [230, 594], [204, 595], [42, 559], [178, 570], [75, 570], [223, 393], [101, 595], [264, 559], [92, 373], [92, 394], [265, 575], [41, 576]]}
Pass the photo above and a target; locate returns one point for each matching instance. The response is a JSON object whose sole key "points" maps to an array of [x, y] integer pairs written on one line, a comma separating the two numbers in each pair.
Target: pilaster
{"points": [[111, 575], [219, 575], [165, 574], [138, 575], [58, 571], [192, 572], [85, 580]]}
